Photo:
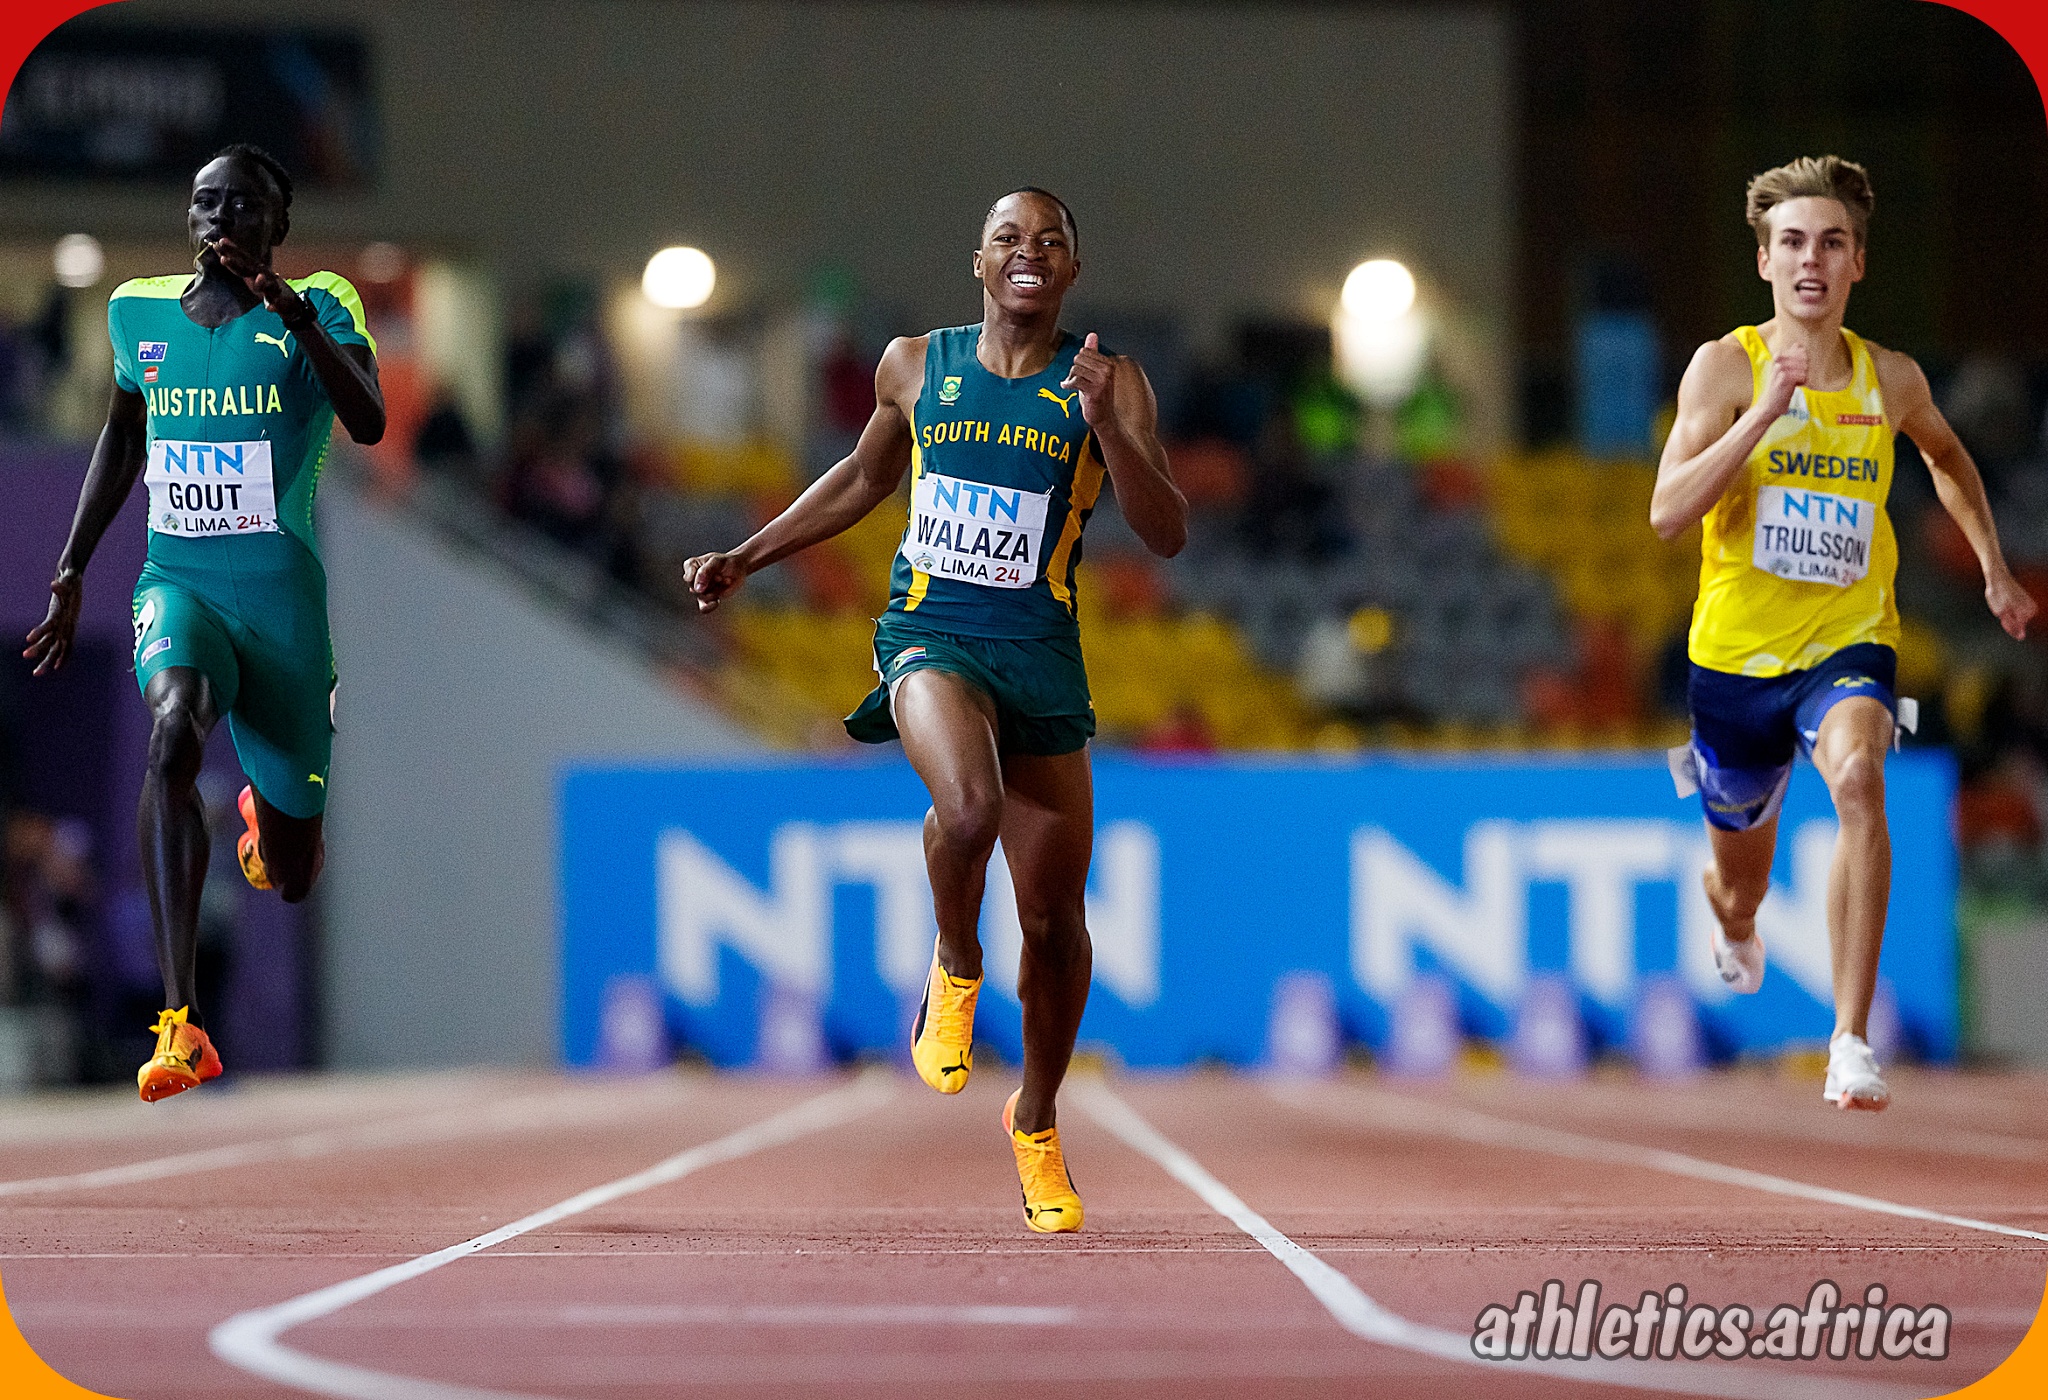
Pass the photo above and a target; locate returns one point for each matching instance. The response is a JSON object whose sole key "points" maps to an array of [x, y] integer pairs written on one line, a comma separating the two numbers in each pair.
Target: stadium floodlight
{"points": [[1379, 290], [79, 260], [679, 278], [1379, 333]]}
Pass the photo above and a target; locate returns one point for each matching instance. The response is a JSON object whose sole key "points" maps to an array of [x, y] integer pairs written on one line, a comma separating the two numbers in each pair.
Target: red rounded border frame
{"points": [[2022, 23]]}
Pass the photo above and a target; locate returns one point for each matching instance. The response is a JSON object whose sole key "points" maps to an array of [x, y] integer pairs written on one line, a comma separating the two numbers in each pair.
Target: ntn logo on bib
{"points": [[211, 488], [967, 530], [1813, 536]]}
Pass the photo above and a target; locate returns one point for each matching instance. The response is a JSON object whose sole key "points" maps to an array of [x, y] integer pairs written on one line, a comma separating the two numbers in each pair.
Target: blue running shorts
{"points": [[1746, 730]]}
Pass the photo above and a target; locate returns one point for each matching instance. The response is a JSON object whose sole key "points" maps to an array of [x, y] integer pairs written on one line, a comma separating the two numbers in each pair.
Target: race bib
{"points": [[210, 488], [989, 535], [1813, 536]]}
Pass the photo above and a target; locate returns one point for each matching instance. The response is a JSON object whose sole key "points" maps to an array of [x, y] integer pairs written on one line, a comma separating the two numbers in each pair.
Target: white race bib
{"points": [[989, 535], [1813, 536], [210, 488]]}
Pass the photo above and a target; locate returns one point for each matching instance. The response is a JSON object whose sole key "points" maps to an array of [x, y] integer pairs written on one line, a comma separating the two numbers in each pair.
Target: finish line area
{"points": [[466, 1234]]}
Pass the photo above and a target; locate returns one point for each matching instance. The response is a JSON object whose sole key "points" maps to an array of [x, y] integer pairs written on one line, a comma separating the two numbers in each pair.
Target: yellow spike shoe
{"points": [[184, 1059], [1050, 1205], [942, 1037]]}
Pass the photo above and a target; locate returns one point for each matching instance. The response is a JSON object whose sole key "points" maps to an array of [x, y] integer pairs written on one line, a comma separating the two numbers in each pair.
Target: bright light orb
{"points": [[1380, 290], [78, 260], [679, 278]]}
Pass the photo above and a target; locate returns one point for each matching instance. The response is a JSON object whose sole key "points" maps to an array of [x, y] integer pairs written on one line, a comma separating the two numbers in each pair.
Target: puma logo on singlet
{"points": [[1062, 402], [282, 348]]}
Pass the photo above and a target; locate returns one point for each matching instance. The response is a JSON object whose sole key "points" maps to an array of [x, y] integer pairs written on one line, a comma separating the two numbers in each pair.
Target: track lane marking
{"points": [[105, 1115], [1949, 1142], [249, 1340], [1402, 1113], [538, 1111], [1761, 1251], [1363, 1317]]}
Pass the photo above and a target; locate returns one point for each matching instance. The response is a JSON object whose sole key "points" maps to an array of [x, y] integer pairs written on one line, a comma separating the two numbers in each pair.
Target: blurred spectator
{"points": [[46, 905], [1183, 730], [1292, 510], [444, 441], [1986, 402], [561, 476], [14, 398]]}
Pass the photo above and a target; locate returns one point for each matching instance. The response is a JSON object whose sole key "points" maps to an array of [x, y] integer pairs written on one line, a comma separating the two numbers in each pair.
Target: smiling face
{"points": [[1027, 258], [1811, 259], [236, 200]]}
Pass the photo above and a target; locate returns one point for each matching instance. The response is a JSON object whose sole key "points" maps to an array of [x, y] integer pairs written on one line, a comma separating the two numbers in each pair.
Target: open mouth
{"points": [[1024, 277], [1808, 287]]}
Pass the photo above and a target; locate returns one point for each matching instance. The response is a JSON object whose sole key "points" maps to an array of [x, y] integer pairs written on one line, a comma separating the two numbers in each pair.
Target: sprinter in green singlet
{"points": [[227, 383], [1008, 429]]}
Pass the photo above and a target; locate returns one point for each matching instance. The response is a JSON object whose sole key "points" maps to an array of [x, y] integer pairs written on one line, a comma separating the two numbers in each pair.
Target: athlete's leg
{"points": [[294, 849], [1855, 736], [949, 735], [171, 823], [1048, 837], [1740, 875]]}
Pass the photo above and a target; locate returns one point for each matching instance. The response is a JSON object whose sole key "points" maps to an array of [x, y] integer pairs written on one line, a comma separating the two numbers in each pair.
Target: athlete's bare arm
{"points": [[117, 460], [347, 372], [1911, 405], [839, 499], [1716, 428], [1118, 402]]}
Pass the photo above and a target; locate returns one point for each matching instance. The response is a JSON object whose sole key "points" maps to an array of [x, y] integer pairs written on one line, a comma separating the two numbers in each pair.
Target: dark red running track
{"points": [[876, 1249]]}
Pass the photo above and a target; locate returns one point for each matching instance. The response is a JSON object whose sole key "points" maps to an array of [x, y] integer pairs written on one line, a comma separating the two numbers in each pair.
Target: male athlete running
{"points": [[226, 386], [1007, 428], [1783, 446]]}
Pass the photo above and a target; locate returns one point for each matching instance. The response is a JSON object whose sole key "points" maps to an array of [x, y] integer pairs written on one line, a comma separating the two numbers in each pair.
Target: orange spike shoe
{"points": [[184, 1059], [249, 845]]}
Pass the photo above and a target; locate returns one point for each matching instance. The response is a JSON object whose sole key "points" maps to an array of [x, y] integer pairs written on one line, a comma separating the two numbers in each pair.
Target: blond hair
{"points": [[1824, 177]]}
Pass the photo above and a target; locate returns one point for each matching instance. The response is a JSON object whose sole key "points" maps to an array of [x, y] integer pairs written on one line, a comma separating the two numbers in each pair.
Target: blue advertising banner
{"points": [[734, 889]]}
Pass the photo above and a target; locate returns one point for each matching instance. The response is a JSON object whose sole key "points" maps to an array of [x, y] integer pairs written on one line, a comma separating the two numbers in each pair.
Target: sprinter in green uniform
{"points": [[1008, 429], [227, 383]]}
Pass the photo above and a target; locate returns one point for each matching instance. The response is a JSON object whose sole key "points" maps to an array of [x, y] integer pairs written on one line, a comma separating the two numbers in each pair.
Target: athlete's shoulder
{"points": [[332, 283], [1888, 362], [1722, 363], [1900, 380], [343, 308], [152, 288], [899, 376]]}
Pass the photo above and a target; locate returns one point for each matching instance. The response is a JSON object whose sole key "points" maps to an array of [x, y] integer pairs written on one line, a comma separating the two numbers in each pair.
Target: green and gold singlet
{"points": [[1003, 476]]}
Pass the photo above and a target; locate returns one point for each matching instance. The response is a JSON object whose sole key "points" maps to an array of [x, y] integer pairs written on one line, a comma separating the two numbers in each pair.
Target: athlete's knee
{"points": [[177, 744], [1856, 782], [1055, 933], [969, 819]]}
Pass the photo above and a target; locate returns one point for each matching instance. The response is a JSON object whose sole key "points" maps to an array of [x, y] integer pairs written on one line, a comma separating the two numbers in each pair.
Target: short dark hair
{"points": [[1066, 214], [264, 161]]}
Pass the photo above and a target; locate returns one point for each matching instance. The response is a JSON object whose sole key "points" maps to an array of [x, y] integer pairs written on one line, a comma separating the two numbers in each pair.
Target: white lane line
{"points": [[539, 1111], [1935, 1139], [628, 1252], [1469, 1125], [110, 1115], [250, 1340], [1363, 1317], [816, 1315]]}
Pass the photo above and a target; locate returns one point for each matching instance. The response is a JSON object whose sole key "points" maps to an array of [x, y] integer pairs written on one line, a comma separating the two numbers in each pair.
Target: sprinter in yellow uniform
{"points": [[1783, 447]]}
